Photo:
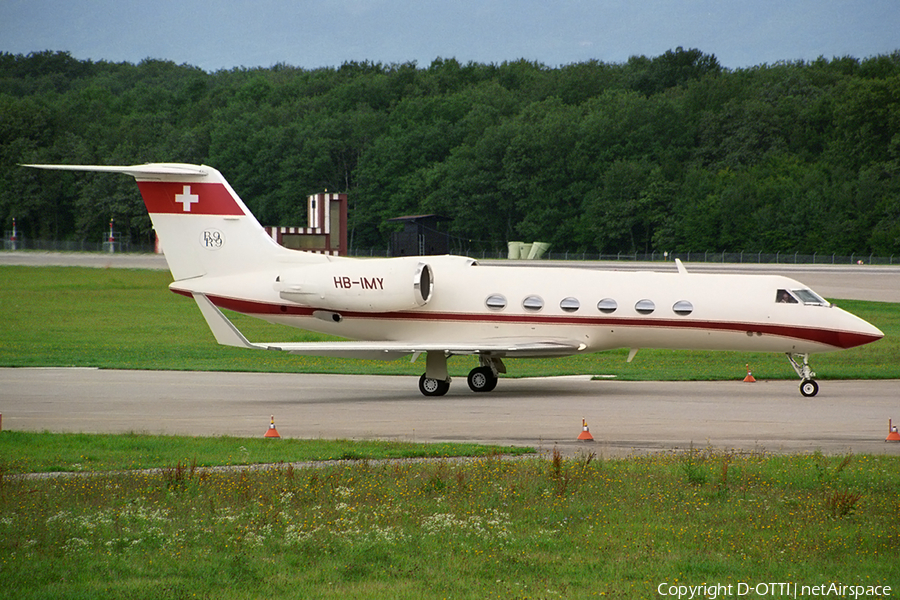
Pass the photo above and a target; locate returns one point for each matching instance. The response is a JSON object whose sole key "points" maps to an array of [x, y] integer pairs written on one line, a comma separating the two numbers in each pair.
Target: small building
{"points": [[326, 230], [421, 236]]}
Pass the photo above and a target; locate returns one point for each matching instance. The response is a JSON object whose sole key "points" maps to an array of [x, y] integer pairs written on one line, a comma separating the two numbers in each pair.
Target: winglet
{"points": [[680, 266], [223, 329]]}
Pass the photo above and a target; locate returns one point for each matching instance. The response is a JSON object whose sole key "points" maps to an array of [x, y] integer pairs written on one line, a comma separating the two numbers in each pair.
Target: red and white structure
{"points": [[326, 230]]}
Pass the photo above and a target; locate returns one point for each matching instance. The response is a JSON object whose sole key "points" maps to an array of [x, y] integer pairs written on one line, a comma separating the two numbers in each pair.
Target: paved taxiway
{"points": [[624, 417]]}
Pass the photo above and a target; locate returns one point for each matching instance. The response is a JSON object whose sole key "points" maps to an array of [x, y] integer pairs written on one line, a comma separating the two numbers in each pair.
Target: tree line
{"points": [[668, 153]]}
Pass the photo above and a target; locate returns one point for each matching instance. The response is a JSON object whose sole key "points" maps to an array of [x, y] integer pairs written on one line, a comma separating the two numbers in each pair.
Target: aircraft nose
{"points": [[860, 333]]}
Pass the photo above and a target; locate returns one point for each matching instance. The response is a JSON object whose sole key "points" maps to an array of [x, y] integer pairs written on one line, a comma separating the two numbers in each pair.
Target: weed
{"points": [[461, 479], [556, 464], [558, 476], [179, 476], [691, 466], [437, 480], [841, 504], [825, 474]]}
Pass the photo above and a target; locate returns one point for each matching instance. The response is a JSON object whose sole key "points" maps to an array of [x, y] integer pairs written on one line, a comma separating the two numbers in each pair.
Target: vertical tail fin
{"points": [[203, 225]]}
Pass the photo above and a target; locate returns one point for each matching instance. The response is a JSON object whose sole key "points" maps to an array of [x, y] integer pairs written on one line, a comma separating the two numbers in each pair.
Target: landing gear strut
{"points": [[435, 381], [808, 385]]}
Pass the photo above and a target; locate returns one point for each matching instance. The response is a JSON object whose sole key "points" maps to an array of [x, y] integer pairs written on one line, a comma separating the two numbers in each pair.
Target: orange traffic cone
{"points": [[893, 436], [585, 435], [272, 432], [749, 378]]}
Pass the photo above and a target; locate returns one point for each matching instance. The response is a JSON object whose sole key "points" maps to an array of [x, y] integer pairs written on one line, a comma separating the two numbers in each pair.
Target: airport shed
{"points": [[421, 236]]}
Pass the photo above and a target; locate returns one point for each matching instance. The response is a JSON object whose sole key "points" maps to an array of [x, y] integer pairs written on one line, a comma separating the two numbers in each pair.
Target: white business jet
{"points": [[450, 305]]}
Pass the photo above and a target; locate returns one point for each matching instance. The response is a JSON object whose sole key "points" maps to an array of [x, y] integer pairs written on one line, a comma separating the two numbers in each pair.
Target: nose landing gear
{"points": [[808, 385]]}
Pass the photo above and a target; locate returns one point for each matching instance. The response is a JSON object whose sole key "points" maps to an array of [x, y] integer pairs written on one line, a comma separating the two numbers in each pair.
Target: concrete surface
{"points": [[624, 417]]}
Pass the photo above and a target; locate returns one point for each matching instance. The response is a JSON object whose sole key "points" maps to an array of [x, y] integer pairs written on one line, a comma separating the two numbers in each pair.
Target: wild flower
{"points": [[492, 524], [76, 544]]}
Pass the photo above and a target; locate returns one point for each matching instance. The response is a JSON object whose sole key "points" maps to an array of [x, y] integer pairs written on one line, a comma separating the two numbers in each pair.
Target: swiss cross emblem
{"points": [[187, 198]]}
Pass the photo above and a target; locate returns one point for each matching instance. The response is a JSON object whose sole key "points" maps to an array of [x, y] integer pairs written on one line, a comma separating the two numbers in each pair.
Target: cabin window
{"points": [[785, 297], [607, 305], [810, 297], [683, 308], [645, 307], [570, 304], [533, 303], [495, 302]]}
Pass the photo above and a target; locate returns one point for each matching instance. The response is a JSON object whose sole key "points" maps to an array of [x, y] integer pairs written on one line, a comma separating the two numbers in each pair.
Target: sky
{"points": [[227, 34]]}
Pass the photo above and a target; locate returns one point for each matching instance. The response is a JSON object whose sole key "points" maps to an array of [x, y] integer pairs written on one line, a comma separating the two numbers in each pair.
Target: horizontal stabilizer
{"points": [[136, 171]]}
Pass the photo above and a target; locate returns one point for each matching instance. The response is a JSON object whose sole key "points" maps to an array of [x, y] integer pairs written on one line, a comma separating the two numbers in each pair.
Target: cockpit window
{"points": [[810, 297], [785, 297]]}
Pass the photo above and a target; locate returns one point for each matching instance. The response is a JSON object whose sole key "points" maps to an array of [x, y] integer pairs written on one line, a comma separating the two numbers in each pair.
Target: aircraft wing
{"points": [[227, 334], [394, 350]]}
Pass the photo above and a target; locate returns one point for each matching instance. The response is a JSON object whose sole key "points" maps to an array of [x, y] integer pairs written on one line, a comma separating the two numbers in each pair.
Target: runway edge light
{"points": [[585, 435], [749, 378], [272, 432], [893, 436]]}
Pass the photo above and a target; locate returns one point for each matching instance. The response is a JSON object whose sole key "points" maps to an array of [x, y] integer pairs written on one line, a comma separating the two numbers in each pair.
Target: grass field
{"points": [[483, 528], [534, 527], [127, 319], [28, 452]]}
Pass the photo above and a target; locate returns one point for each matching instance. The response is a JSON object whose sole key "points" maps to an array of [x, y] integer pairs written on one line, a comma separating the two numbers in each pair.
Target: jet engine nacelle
{"points": [[377, 285]]}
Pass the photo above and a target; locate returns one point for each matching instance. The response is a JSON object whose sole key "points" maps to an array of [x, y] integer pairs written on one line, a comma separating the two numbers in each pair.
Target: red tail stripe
{"points": [[188, 198]]}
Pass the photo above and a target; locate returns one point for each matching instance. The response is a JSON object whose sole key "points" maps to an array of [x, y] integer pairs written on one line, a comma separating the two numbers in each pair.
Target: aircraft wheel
{"points": [[433, 387], [809, 388], [482, 379]]}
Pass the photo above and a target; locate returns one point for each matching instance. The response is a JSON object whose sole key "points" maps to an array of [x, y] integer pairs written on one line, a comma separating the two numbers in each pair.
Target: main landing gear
{"points": [[436, 382], [433, 387], [482, 379], [808, 385]]}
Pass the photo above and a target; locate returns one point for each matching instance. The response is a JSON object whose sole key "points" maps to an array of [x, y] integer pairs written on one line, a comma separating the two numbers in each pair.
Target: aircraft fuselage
{"points": [[598, 309]]}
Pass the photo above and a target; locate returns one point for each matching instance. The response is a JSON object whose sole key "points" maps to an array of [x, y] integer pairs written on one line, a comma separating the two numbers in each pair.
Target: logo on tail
{"points": [[187, 198]]}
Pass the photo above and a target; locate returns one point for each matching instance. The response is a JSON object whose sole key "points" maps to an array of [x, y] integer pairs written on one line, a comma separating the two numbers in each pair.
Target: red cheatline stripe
{"points": [[830, 337]]}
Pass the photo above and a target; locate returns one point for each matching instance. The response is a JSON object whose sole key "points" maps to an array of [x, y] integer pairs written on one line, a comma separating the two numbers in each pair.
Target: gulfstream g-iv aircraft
{"points": [[444, 306]]}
